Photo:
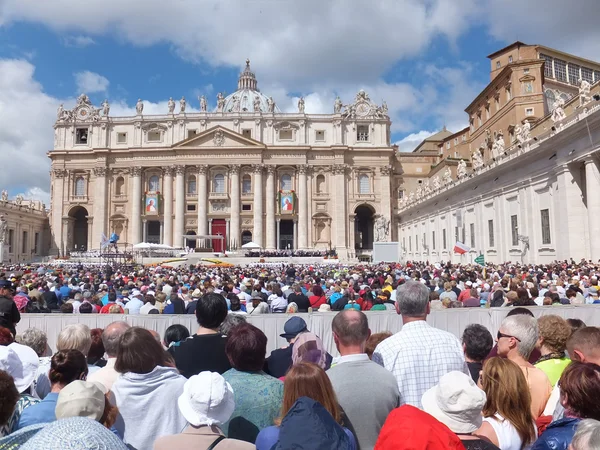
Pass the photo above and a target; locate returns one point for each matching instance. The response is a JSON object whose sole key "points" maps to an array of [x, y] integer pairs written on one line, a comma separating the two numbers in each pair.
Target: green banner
{"points": [[480, 260]]}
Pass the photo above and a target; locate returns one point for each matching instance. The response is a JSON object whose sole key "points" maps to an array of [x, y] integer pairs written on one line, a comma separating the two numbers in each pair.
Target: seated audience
{"points": [[66, 366], [457, 402], [507, 419], [308, 384], [554, 331], [477, 343], [257, 396], [204, 351], [148, 383]]}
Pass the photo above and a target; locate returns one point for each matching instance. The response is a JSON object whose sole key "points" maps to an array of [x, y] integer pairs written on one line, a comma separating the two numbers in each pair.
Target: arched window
{"points": [[246, 237], [120, 186], [153, 184], [219, 183], [286, 182], [363, 184], [79, 186], [246, 184], [191, 185], [320, 184]]}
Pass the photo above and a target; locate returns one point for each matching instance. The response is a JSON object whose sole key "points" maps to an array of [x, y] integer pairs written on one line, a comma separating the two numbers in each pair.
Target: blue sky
{"points": [[426, 58]]}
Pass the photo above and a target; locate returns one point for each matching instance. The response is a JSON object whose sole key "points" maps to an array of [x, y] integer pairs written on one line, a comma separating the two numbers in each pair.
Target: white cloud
{"points": [[37, 193], [410, 142], [26, 118], [293, 43], [90, 82], [79, 41]]}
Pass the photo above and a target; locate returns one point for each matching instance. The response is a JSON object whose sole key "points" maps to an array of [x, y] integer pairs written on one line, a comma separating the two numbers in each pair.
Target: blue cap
{"points": [[293, 327]]}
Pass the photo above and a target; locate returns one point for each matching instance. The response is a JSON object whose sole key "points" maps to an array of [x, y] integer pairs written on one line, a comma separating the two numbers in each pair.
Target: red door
{"points": [[219, 228]]}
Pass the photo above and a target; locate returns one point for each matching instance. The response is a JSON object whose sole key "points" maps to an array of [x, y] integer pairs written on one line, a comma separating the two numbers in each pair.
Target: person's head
{"points": [[308, 347], [350, 330], [293, 327], [235, 303], [111, 336], [587, 435], [231, 321], [207, 399], [412, 300], [456, 401], [211, 311], [507, 394], [76, 336], [517, 335], [576, 324], [246, 348], [584, 345], [85, 308], [447, 286], [97, 348], [139, 352], [9, 395], [175, 333], [477, 342], [317, 290], [67, 366], [35, 339], [554, 331], [580, 390], [66, 308], [374, 340], [309, 380]]}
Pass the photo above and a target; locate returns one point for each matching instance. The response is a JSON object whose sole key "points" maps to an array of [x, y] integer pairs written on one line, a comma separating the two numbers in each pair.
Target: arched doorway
{"points": [[191, 243], [363, 227], [79, 224]]}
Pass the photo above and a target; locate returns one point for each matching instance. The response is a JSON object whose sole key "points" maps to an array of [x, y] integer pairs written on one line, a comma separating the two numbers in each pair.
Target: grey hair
{"points": [[587, 435], [77, 337], [35, 339], [525, 328], [413, 298], [112, 335], [232, 320]]}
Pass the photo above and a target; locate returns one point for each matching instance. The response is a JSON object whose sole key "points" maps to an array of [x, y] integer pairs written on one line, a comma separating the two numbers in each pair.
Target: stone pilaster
{"points": [[100, 206], [234, 233], [257, 235], [179, 206], [271, 199], [202, 200], [302, 209], [168, 205], [136, 205]]}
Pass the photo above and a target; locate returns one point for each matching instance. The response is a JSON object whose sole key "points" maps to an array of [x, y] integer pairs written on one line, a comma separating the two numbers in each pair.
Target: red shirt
{"points": [[315, 301], [464, 295], [106, 307]]}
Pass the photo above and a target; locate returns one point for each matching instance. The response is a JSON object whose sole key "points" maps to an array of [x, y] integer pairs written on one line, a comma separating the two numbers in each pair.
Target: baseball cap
{"points": [[293, 327]]}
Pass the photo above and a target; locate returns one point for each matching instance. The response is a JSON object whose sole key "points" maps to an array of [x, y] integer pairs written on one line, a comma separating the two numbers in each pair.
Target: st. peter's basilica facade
{"points": [[245, 171]]}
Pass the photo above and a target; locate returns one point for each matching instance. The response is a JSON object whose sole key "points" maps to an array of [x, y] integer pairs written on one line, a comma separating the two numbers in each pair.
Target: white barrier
{"points": [[452, 320]]}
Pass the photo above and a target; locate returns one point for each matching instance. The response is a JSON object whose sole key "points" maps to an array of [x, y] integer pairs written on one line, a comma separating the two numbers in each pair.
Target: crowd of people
{"points": [[534, 385], [288, 288], [290, 253]]}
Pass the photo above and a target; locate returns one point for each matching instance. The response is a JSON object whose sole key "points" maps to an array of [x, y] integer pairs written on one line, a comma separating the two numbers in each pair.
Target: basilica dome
{"points": [[248, 96]]}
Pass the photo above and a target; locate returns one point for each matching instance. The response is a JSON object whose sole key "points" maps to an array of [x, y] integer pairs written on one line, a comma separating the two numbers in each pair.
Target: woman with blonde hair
{"points": [[508, 422]]}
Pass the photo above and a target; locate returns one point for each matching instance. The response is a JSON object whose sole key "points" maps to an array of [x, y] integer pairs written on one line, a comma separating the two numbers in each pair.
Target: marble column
{"points": [[144, 230], [302, 209], [100, 206], [592, 187], [179, 206], [136, 205], [257, 235], [202, 203], [233, 234], [227, 233], [58, 184], [161, 232], [339, 209], [278, 233], [295, 244], [385, 191], [270, 200], [309, 196], [168, 206]]}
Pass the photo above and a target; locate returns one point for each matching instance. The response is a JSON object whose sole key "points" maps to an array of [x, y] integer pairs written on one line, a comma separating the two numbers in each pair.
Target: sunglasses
{"points": [[502, 335]]}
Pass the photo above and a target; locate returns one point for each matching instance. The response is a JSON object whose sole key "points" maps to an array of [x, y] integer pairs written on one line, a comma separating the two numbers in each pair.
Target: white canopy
{"points": [[251, 245], [149, 246]]}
